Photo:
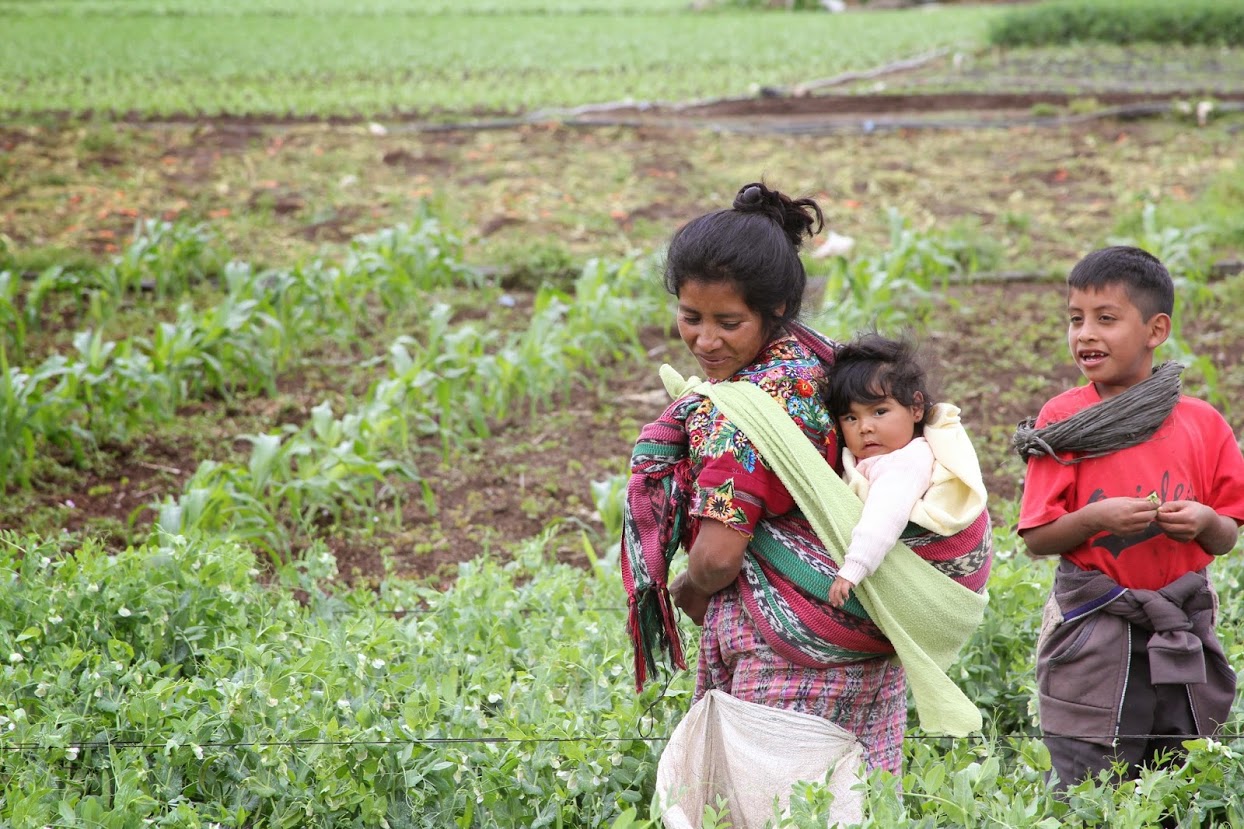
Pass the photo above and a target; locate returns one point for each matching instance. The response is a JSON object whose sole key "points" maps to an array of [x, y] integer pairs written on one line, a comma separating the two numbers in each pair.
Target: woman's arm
{"points": [[716, 557]]}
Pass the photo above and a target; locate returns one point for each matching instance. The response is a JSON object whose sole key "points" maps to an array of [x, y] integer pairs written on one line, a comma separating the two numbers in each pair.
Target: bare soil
{"points": [[596, 184]]}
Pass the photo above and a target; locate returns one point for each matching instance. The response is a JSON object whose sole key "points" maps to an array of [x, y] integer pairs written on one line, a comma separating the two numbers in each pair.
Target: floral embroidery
{"points": [[719, 451], [719, 504], [726, 439]]}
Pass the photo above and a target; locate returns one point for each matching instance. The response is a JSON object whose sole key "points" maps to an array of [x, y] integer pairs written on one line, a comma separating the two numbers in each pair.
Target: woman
{"points": [[698, 483]]}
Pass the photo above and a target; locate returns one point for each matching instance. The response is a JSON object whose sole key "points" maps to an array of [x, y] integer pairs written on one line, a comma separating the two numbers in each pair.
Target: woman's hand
{"points": [[688, 599], [840, 591]]}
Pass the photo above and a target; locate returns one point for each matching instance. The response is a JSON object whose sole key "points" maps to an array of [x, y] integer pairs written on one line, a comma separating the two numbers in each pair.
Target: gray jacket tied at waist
{"points": [[1083, 659]]}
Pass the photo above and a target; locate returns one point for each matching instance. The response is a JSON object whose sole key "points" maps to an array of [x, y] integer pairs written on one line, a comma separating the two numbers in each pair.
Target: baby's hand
{"points": [[840, 591]]}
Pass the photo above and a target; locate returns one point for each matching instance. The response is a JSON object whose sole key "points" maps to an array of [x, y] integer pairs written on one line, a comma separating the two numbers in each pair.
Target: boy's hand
{"points": [[1184, 520], [1124, 516], [839, 591]]}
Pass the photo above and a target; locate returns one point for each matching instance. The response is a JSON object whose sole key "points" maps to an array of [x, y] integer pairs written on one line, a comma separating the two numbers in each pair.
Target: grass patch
{"points": [[1187, 22]]}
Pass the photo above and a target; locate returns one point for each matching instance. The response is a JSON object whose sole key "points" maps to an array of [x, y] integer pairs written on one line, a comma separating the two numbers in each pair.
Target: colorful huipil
{"points": [[694, 463]]}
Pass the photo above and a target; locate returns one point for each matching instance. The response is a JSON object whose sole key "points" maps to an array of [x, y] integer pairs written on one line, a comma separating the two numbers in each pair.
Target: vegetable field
{"points": [[326, 330]]}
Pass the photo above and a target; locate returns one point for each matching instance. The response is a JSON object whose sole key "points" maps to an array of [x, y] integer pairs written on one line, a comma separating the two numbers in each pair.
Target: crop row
{"points": [[449, 382], [369, 66], [164, 685], [310, 8]]}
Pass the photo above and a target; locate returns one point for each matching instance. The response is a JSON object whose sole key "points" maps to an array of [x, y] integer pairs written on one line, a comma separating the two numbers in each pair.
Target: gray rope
{"points": [[1126, 420]]}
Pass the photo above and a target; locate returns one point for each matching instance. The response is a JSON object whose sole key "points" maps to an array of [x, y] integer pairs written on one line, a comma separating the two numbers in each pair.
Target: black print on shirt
{"points": [[1116, 544]]}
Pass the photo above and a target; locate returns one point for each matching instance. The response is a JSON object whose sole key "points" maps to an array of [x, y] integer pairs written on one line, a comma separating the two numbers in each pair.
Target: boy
{"points": [[1128, 664]]}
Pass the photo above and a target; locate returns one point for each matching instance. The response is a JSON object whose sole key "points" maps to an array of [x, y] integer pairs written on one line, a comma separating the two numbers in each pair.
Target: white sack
{"points": [[749, 754]]}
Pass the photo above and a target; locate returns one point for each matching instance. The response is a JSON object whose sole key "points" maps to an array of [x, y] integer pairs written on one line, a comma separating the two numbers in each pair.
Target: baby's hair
{"points": [[1143, 276], [871, 368]]}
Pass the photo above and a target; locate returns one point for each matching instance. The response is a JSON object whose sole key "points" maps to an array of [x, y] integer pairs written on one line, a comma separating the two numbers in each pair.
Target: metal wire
{"points": [[486, 739]]}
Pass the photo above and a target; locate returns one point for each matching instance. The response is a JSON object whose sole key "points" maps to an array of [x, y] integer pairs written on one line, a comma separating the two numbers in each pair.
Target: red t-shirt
{"points": [[1193, 456]]}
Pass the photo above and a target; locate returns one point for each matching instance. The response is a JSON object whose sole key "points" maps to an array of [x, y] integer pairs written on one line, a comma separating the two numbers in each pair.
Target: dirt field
{"points": [[1041, 188]]}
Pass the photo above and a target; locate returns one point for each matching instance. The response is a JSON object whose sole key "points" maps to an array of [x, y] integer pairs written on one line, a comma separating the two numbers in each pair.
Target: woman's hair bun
{"points": [[797, 217], [750, 196]]}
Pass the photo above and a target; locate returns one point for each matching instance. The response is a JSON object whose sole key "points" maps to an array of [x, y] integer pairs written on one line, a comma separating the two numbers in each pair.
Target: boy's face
{"points": [[1111, 343], [870, 429]]}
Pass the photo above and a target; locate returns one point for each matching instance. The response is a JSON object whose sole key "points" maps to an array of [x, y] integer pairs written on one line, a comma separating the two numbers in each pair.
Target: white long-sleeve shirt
{"points": [[896, 481], [934, 481]]}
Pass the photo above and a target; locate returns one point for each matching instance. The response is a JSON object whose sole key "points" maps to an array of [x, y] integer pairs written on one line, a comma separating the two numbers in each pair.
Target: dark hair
{"points": [[1144, 278], [871, 368], [754, 245]]}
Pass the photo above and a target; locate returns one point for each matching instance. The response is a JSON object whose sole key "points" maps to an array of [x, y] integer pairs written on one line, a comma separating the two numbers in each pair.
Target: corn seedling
{"points": [[891, 289], [12, 318], [1184, 251], [408, 260], [165, 258]]}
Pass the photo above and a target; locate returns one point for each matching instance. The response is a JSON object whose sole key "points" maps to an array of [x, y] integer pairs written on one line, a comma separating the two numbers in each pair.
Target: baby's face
{"points": [[871, 429]]}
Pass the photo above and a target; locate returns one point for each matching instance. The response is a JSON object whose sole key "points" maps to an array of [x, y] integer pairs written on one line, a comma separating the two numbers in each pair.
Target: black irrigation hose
{"points": [[483, 739], [812, 124]]}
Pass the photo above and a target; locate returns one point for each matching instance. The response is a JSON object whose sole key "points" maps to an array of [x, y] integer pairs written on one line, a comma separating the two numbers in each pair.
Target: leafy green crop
{"points": [[329, 60], [167, 683], [1211, 22]]}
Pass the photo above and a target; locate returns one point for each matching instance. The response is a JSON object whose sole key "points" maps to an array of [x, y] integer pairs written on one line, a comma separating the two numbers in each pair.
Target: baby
{"points": [[908, 459]]}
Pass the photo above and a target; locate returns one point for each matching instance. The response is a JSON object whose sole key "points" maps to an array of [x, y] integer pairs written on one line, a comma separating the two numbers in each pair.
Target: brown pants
{"points": [[1149, 711]]}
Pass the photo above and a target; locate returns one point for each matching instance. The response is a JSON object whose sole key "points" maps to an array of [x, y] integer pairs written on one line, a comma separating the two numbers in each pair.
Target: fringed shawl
{"points": [[656, 524]]}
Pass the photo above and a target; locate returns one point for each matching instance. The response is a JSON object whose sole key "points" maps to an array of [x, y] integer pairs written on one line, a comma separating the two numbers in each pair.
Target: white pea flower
{"points": [[16, 657], [124, 611]]}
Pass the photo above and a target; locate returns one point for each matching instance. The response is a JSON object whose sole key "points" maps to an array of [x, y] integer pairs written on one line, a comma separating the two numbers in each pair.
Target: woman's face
{"points": [[719, 329]]}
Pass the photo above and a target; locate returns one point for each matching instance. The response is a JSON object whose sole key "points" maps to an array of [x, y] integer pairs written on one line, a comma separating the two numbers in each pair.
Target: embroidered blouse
{"points": [[733, 484]]}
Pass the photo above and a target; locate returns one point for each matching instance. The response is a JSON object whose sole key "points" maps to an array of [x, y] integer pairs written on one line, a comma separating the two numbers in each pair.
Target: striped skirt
{"points": [[868, 698]]}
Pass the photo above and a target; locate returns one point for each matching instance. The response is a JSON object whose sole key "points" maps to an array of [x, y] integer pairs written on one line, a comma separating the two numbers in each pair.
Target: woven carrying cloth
{"points": [[788, 567], [928, 613], [1125, 420]]}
